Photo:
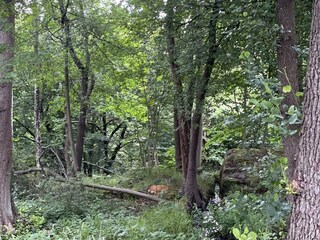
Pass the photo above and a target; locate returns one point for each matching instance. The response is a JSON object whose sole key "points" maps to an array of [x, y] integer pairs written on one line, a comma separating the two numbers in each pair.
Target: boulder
{"points": [[237, 172]]}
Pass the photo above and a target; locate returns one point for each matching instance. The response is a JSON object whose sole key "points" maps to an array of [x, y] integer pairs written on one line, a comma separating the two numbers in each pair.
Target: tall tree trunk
{"points": [[183, 124], [86, 88], [288, 74], [191, 187], [7, 209], [69, 132], [305, 216], [37, 112], [86, 83]]}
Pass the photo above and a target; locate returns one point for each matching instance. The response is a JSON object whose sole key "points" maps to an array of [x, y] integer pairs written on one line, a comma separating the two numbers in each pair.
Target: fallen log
{"points": [[93, 186]]}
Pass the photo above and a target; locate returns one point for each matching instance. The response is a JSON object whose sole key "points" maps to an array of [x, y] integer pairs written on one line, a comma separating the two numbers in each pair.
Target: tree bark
{"points": [[178, 159], [69, 132], [181, 124], [37, 112], [288, 75], [87, 85], [37, 124], [191, 187], [7, 209], [305, 216]]}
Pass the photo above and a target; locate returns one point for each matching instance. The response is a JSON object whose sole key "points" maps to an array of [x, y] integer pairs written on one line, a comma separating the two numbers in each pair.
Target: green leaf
{"points": [[266, 104], [254, 101], [287, 89], [266, 85], [236, 233], [269, 119], [299, 94], [293, 119], [291, 110], [275, 111], [246, 230], [252, 236], [244, 55]]}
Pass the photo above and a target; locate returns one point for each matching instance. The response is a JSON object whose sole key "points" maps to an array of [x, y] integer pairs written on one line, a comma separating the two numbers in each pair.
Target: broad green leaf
{"points": [[246, 230], [236, 233], [252, 236], [266, 104], [299, 94], [254, 101], [287, 89]]}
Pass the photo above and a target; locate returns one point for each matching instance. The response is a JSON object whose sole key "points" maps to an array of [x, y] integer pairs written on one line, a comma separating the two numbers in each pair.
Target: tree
{"points": [[7, 209], [305, 216], [189, 101], [288, 75]]}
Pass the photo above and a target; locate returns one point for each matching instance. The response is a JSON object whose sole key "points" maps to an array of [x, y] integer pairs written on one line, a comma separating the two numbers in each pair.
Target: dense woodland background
{"points": [[204, 97]]}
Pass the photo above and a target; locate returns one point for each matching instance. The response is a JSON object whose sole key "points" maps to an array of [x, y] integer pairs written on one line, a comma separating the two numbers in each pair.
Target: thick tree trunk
{"points": [[191, 188], [81, 132], [7, 209], [7, 213], [305, 217], [288, 74]]}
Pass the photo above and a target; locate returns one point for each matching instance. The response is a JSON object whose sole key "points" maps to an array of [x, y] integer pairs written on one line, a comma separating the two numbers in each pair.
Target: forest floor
{"points": [[49, 209]]}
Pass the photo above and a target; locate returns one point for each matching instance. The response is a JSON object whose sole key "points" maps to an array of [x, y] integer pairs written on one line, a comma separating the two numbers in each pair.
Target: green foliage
{"points": [[154, 224], [246, 235], [61, 211], [264, 214]]}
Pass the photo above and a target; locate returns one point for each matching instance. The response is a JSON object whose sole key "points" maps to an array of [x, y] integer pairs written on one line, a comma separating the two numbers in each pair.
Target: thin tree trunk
{"points": [[288, 75], [37, 112], [37, 125], [7, 209], [69, 137], [119, 145], [199, 147], [177, 140], [67, 146], [305, 216]]}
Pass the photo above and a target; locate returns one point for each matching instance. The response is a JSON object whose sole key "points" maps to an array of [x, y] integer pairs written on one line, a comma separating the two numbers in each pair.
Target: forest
{"points": [[163, 119]]}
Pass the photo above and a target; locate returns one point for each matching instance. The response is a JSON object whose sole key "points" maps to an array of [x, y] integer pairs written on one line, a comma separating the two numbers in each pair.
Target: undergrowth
{"points": [[53, 210]]}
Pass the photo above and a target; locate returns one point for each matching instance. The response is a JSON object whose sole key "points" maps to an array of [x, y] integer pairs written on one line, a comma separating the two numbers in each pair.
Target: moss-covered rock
{"points": [[237, 170]]}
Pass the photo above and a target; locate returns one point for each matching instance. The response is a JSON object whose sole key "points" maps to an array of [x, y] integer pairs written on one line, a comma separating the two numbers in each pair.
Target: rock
{"points": [[236, 172]]}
